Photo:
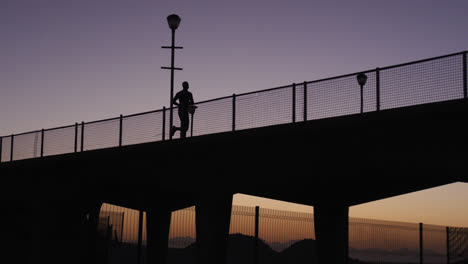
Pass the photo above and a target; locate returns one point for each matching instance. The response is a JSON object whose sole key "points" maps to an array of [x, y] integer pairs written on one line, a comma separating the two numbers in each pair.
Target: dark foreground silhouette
{"points": [[240, 251]]}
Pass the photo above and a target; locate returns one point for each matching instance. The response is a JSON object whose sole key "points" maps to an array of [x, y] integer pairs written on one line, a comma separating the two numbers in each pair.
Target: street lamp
{"points": [[362, 79], [173, 21]]}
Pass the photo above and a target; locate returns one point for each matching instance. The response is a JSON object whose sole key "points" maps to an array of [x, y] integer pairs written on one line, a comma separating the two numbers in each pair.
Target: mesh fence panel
{"points": [[420, 83], [142, 128], [124, 222], [264, 108], [27, 146], [175, 122], [383, 241], [102, 134], [182, 231], [120, 228], [212, 117], [281, 229], [434, 244], [61, 141], [466, 70], [299, 109], [242, 220], [458, 241], [341, 96], [6, 148], [371, 241]]}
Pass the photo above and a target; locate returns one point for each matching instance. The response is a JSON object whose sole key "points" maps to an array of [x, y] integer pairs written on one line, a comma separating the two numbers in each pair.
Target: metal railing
{"points": [[419, 82]]}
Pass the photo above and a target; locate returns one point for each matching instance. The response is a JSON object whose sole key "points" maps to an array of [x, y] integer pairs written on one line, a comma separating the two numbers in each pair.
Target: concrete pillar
{"points": [[213, 216], [158, 221], [331, 232]]}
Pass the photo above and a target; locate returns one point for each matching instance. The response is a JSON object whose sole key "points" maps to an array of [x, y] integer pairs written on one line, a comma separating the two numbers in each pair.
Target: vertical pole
{"points": [[120, 130], [140, 237], [362, 100], [305, 101], [42, 143], [447, 231], [1, 139], [377, 88], [82, 135], [164, 124], [191, 126], [421, 243], [294, 103], [172, 83], [464, 76], [122, 227], [76, 136], [257, 212], [234, 112], [11, 147]]}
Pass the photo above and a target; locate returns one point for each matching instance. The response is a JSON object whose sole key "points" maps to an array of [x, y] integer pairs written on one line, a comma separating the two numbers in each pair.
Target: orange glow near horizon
{"points": [[396, 219]]}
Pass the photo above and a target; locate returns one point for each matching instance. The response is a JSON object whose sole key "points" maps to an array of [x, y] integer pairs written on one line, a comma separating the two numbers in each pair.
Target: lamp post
{"points": [[362, 78], [173, 21], [191, 110]]}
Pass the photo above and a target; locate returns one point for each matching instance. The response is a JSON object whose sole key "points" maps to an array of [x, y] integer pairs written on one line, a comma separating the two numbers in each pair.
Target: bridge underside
{"points": [[328, 163]]}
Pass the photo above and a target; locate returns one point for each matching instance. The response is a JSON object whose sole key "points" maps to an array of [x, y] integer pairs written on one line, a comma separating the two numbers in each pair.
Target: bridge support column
{"points": [[158, 221], [331, 232], [213, 216]]}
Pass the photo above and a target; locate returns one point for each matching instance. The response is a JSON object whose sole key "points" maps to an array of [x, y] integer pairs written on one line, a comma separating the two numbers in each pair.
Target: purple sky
{"points": [[67, 61]]}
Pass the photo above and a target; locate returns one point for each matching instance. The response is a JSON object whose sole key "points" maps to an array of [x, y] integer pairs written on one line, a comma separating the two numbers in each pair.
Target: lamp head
{"points": [[362, 79], [173, 21]]}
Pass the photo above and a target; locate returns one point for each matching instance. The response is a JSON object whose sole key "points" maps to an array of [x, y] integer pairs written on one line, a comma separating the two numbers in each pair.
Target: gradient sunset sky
{"points": [[67, 61]]}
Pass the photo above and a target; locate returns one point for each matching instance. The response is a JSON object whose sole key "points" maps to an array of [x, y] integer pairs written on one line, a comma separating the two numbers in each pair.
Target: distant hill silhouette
{"points": [[301, 252], [241, 251]]}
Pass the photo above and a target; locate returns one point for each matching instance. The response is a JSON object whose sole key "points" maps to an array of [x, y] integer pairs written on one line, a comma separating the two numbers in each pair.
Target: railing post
{"points": [[421, 243], [257, 213], [1, 147], [120, 130], [82, 136], [140, 237], [377, 88], [234, 112], [42, 143], [447, 231], [164, 124], [465, 80], [305, 101], [11, 147], [76, 137], [294, 103]]}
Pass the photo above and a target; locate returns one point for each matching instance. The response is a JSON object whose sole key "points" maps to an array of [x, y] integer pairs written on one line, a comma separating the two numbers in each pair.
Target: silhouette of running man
{"points": [[185, 99]]}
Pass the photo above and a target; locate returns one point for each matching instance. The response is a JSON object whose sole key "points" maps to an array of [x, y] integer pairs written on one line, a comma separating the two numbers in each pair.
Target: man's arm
{"points": [[174, 100]]}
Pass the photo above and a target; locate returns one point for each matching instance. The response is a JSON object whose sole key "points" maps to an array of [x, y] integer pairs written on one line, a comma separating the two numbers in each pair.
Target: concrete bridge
{"points": [[51, 204]]}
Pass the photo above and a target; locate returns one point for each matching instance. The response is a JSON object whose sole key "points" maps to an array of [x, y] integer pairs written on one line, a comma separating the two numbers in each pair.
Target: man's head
{"points": [[185, 85]]}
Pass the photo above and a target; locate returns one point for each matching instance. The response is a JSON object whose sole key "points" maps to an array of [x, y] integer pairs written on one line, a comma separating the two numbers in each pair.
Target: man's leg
{"points": [[184, 123]]}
